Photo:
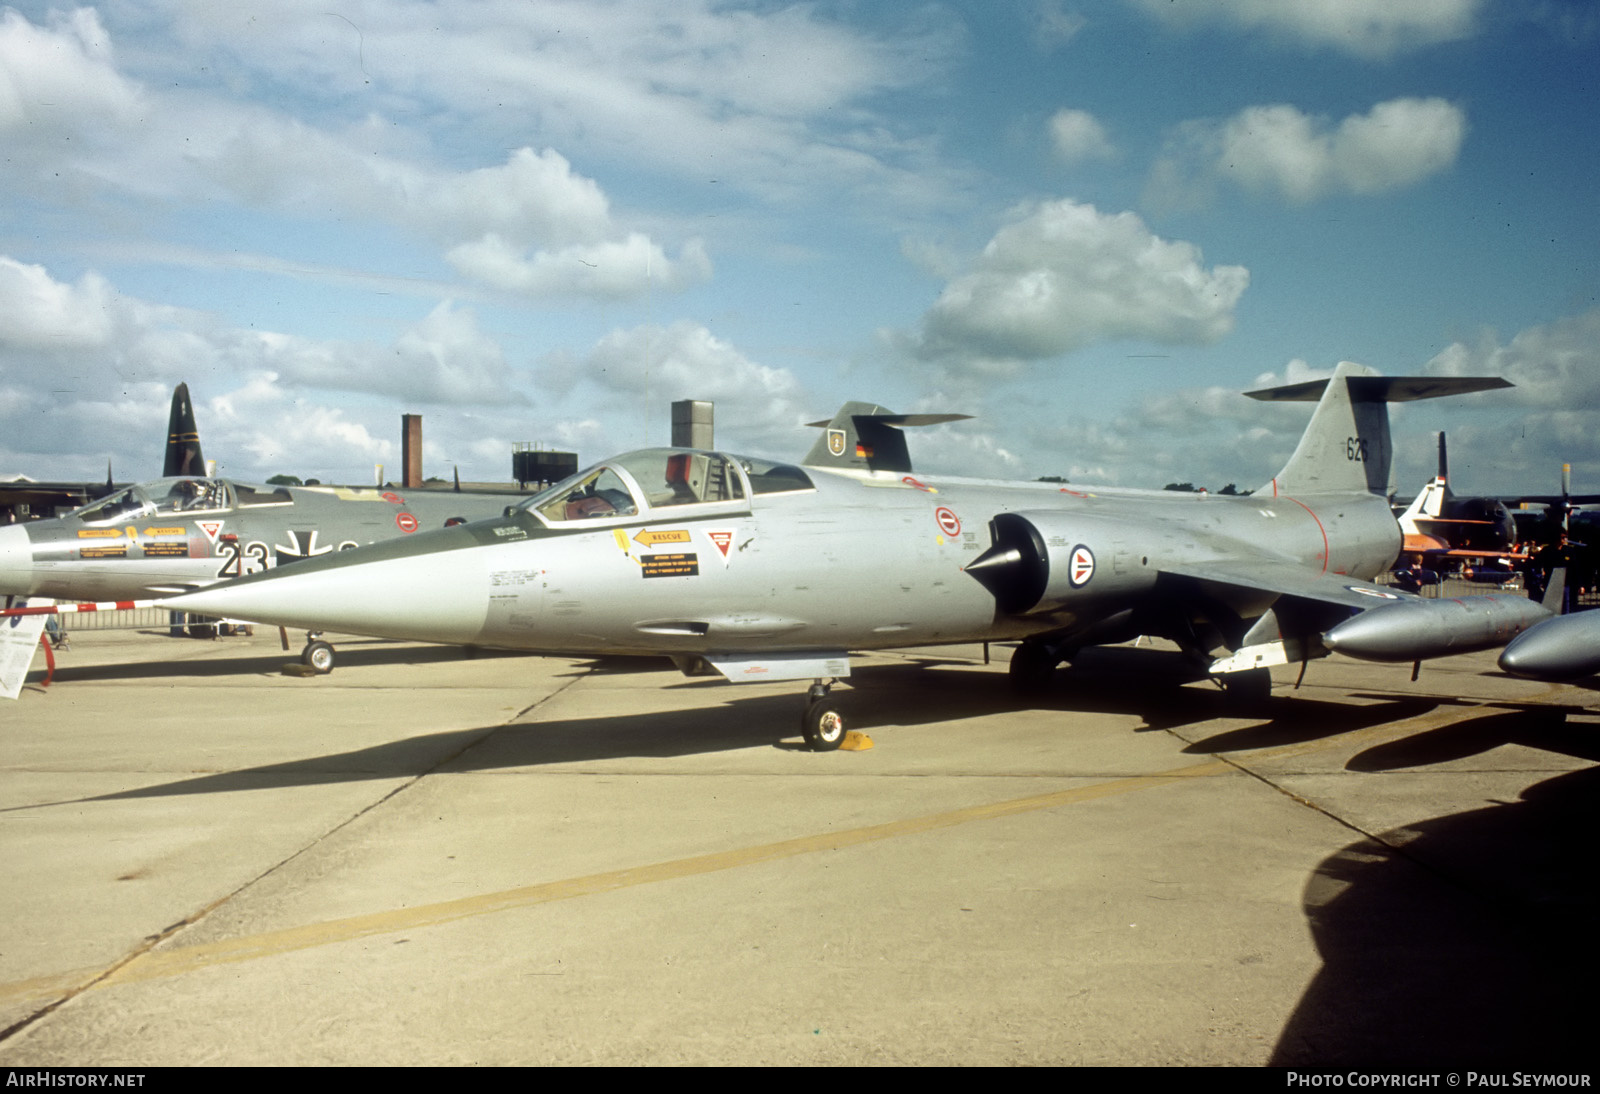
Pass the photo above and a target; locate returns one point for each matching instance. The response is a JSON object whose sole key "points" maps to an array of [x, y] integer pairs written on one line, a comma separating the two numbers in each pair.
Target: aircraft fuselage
{"points": [[846, 562]]}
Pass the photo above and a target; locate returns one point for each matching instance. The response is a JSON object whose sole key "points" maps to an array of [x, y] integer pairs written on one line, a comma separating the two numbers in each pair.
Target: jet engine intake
{"points": [[1043, 561]]}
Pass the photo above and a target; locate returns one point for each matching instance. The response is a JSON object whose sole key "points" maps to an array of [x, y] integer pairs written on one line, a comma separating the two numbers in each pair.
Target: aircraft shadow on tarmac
{"points": [[1463, 941], [1532, 726], [369, 653], [921, 691]]}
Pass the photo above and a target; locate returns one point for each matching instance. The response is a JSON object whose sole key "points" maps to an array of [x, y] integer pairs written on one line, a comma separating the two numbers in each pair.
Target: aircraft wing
{"points": [[1313, 613], [1341, 594]]}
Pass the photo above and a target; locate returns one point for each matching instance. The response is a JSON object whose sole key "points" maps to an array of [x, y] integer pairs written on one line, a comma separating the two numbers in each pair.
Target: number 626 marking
{"points": [[1355, 449]]}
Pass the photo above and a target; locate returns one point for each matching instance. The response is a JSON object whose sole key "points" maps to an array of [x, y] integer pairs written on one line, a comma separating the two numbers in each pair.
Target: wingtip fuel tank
{"points": [[1564, 648], [1416, 629]]}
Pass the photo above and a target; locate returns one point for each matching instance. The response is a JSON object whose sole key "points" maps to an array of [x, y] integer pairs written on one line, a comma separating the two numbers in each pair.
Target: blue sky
{"points": [[1091, 225]]}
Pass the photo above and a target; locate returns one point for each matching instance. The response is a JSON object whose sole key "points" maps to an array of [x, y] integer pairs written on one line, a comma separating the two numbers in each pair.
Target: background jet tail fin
{"points": [[183, 437], [1346, 446], [868, 437]]}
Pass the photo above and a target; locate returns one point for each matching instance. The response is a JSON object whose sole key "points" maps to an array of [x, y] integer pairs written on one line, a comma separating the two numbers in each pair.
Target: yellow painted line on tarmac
{"points": [[177, 961], [161, 964]]}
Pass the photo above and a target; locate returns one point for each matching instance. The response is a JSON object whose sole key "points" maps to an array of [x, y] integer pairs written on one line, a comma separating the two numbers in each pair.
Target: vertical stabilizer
{"points": [[868, 437], [1346, 446], [183, 437]]}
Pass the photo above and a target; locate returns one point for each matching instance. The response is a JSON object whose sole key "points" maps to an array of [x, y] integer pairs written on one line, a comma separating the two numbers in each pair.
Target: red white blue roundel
{"points": [[1081, 568]]}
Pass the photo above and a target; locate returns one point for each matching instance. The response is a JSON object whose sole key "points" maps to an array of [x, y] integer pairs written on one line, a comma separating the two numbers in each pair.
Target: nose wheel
{"points": [[822, 725], [317, 656]]}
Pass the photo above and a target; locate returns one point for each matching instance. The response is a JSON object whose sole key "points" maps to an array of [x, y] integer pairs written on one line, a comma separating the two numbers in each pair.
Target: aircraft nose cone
{"points": [[16, 560], [421, 596]]}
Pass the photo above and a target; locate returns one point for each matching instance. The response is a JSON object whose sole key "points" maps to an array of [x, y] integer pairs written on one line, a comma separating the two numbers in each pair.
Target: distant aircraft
{"points": [[189, 530], [760, 571], [1439, 525], [183, 457]]}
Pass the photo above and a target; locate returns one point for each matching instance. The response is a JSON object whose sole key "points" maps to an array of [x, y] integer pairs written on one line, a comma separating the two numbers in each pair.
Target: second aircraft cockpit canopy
{"points": [[676, 482], [179, 497]]}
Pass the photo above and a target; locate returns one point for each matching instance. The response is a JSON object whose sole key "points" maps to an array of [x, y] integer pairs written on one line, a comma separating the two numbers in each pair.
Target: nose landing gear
{"points": [[822, 725]]}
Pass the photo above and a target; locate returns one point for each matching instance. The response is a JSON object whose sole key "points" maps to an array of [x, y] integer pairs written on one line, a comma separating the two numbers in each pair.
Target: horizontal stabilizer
{"points": [[1346, 447], [1383, 389]]}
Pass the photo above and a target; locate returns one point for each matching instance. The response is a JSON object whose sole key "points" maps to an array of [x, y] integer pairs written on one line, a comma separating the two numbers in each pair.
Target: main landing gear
{"points": [[1248, 689], [822, 725], [1033, 667]]}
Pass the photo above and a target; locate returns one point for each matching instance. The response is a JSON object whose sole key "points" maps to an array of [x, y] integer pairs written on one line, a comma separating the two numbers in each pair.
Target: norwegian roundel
{"points": [[1081, 567]]}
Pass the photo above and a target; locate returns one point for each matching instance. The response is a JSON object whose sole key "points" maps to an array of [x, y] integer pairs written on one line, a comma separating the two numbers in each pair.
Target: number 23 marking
{"points": [[250, 559]]}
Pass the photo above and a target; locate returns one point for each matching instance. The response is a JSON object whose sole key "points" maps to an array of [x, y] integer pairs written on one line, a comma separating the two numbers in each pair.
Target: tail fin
{"points": [[183, 437], [867, 437], [1346, 446], [1431, 501]]}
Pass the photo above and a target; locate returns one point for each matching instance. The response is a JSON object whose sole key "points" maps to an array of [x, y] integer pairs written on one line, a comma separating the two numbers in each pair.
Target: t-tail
{"points": [[868, 437], [183, 438], [1346, 448]]}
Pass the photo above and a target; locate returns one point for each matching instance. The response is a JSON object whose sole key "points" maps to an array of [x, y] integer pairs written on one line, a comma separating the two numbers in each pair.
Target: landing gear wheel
{"points": [[318, 657], [822, 726], [1248, 689], [1032, 668]]}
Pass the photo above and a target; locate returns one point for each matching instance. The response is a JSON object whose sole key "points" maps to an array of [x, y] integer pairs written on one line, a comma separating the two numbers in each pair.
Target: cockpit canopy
{"points": [[185, 496], [675, 481]]}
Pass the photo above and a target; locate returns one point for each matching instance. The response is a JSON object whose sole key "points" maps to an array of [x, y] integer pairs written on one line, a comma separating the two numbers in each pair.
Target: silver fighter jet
{"points": [[176, 534], [757, 571]]}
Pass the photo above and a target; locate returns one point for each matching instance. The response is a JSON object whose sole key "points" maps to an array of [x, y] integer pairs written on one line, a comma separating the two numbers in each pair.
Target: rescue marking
{"points": [[406, 522], [649, 538], [949, 523], [909, 481], [390, 496], [1081, 568]]}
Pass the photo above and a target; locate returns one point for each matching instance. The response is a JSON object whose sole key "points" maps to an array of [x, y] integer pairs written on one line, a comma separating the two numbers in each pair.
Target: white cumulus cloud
{"points": [[59, 76], [1078, 137], [757, 406], [1064, 275], [1279, 149], [39, 312]]}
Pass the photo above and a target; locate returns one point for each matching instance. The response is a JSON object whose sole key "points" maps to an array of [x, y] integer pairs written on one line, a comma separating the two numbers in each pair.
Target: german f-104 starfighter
{"points": [[758, 571]]}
